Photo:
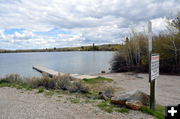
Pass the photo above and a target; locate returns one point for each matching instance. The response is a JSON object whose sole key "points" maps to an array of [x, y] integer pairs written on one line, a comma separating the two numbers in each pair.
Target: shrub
{"points": [[35, 82], [45, 82], [78, 86], [13, 78], [63, 82], [48, 83]]}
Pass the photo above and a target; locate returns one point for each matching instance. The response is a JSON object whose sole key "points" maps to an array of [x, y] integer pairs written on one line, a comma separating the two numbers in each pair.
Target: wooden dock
{"points": [[51, 73]]}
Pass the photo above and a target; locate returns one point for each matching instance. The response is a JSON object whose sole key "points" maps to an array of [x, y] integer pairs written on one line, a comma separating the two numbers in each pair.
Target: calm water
{"points": [[69, 62]]}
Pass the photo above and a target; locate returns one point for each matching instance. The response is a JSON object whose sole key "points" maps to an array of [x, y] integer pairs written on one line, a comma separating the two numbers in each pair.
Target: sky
{"points": [[35, 24]]}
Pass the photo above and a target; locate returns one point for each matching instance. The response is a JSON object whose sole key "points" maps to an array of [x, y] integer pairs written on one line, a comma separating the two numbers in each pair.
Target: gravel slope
{"points": [[19, 104]]}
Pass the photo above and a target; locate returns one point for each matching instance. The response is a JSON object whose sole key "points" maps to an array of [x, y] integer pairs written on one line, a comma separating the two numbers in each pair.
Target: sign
{"points": [[154, 66]]}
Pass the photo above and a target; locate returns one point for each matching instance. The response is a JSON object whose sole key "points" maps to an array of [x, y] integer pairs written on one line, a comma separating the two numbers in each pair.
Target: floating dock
{"points": [[52, 73]]}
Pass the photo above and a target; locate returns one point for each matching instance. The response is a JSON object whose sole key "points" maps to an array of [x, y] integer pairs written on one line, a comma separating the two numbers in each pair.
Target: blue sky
{"points": [[29, 24]]}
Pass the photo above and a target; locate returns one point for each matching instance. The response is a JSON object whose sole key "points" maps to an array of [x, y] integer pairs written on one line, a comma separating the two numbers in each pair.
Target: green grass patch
{"points": [[89, 100], [106, 106], [40, 90], [92, 95], [97, 80], [159, 112], [123, 110], [17, 85]]}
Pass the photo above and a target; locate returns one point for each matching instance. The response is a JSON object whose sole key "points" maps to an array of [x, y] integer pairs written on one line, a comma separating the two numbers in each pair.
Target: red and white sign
{"points": [[154, 66]]}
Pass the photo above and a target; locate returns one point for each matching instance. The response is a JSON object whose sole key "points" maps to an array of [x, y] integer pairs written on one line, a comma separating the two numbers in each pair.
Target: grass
{"points": [[89, 101], [106, 106], [159, 112], [49, 93], [74, 100], [40, 90], [123, 110], [97, 80], [92, 95], [16, 85]]}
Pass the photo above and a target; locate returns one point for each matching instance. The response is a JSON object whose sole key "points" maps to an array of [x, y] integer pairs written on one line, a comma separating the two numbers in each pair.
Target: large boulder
{"points": [[134, 100]]}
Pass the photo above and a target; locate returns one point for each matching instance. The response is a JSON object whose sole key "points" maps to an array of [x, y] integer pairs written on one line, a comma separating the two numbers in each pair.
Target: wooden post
{"points": [[152, 82]]}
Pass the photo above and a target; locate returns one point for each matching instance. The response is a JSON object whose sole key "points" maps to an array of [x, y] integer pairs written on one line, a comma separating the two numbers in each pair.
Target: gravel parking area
{"points": [[19, 104]]}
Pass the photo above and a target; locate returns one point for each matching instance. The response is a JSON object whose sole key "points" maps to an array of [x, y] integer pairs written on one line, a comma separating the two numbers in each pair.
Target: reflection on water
{"points": [[69, 62]]}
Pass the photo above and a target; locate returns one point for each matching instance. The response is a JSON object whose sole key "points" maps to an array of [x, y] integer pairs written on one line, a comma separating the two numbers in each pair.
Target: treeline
{"points": [[93, 47], [133, 55]]}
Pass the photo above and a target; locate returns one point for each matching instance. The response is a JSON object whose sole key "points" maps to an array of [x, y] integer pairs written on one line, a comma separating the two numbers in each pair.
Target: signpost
{"points": [[153, 67]]}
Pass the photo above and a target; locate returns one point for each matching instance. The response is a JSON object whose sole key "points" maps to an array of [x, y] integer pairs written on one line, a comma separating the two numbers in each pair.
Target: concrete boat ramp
{"points": [[52, 73]]}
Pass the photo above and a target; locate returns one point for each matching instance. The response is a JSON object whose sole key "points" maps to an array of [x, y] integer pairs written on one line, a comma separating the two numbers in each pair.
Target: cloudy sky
{"points": [[29, 24]]}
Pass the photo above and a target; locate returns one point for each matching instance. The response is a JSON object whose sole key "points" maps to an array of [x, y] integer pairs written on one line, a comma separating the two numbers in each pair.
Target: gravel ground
{"points": [[167, 87], [20, 104]]}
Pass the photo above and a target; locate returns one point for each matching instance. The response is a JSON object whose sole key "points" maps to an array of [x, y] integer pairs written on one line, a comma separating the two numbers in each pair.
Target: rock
{"points": [[120, 100], [134, 104], [134, 100], [140, 96]]}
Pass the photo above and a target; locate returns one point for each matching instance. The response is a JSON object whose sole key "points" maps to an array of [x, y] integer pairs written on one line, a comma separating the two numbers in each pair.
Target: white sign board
{"points": [[154, 66]]}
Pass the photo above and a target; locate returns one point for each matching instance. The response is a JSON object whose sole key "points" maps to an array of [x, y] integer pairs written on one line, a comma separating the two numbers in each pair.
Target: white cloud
{"points": [[99, 21]]}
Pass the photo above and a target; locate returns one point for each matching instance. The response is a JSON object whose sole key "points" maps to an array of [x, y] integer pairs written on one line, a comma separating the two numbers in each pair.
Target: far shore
{"points": [[105, 47]]}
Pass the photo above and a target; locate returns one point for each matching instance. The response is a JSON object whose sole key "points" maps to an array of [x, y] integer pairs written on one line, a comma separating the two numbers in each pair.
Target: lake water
{"points": [[91, 62]]}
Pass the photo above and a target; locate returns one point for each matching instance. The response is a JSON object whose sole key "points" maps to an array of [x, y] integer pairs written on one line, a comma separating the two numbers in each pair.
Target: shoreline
{"points": [[62, 51]]}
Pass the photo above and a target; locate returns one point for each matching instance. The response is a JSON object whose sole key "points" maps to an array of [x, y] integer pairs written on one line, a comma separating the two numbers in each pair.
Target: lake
{"points": [[82, 62]]}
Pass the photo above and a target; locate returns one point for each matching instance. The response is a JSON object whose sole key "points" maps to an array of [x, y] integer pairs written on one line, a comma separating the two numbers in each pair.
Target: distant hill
{"points": [[105, 47]]}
